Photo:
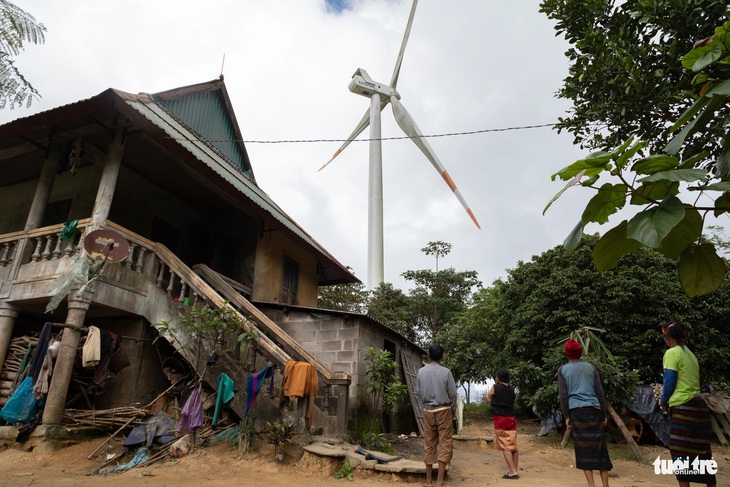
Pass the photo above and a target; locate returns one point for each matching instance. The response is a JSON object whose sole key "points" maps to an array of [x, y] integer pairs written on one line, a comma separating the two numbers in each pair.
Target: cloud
{"points": [[469, 66]]}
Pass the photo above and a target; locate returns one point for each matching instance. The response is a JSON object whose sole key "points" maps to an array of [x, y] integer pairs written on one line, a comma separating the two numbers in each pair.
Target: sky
{"points": [[470, 66]]}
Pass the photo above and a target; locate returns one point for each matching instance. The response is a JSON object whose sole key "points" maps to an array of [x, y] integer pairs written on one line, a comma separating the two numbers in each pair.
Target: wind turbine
{"points": [[381, 95]]}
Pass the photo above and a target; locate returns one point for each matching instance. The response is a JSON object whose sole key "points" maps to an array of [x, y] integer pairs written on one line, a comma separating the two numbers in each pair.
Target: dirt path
{"points": [[542, 463]]}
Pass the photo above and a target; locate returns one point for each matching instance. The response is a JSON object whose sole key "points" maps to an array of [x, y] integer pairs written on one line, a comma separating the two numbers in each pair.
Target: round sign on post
{"points": [[106, 245]]}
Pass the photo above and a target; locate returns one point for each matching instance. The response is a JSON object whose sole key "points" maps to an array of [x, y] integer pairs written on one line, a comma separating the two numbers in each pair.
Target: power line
{"points": [[451, 134]]}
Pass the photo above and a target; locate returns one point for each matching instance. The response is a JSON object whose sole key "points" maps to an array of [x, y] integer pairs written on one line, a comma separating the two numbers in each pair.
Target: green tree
{"points": [[352, 297], [560, 291], [439, 295], [624, 79], [16, 28], [389, 305], [687, 152], [470, 340]]}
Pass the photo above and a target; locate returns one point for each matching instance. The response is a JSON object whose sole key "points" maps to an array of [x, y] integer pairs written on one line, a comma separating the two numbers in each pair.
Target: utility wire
{"points": [[307, 141]]}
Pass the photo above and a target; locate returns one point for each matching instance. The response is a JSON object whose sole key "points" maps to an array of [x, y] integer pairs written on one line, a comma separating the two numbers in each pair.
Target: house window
{"points": [[57, 212], [290, 281]]}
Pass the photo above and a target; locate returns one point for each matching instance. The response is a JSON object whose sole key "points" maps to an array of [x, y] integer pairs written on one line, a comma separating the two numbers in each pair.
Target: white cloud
{"points": [[470, 65]]}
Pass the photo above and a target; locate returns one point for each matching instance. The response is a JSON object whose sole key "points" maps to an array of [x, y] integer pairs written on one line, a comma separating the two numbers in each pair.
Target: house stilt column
{"points": [[108, 182], [8, 314], [43, 191], [56, 400]]}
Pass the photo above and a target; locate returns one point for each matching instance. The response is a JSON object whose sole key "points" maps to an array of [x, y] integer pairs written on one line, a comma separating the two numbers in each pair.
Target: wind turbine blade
{"points": [[399, 61], [364, 122], [408, 125]]}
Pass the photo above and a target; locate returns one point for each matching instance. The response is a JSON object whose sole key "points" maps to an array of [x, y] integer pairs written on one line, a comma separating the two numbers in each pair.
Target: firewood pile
{"points": [[17, 351], [106, 419], [719, 405]]}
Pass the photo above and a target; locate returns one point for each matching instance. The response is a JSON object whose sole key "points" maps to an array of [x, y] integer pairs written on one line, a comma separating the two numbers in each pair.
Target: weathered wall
{"points": [[272, 247], [339, 341], [15, 200]]}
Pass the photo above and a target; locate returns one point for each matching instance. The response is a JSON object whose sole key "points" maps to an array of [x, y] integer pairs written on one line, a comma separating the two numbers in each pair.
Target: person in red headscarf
{"points": [[584, 408]]}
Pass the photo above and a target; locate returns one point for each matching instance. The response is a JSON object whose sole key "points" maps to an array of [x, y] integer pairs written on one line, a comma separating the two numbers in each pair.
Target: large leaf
{"points": [[612, 246], [651, 226], [701, 270], [713, 54], [683, 234], [623, 159], [687, 175], [702, 118], [721, 203], [720, 89], [573, 239], [655, 163], [651, 192], [576, 180], [607, 201], [595, 163], [723, 186]]}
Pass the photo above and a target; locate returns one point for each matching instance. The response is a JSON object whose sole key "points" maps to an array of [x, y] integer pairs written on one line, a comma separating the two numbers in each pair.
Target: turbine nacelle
{"points": [[363, 84]]}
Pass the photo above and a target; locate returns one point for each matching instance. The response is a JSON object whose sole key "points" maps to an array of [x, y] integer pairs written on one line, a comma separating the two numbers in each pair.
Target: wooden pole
{"points": [[629, 439], [91, 455]]}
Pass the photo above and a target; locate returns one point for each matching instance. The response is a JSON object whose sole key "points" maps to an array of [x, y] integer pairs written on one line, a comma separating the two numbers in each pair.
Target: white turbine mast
{"points": [[381, 95]]}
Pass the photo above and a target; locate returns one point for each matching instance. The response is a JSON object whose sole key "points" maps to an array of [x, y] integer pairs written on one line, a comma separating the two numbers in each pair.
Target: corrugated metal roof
{"points": [[185, 137], [208, 113]]}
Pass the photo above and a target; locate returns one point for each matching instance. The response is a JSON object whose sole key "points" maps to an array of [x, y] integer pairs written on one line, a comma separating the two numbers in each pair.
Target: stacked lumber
{"points": [[719, 405], [16, 351]]}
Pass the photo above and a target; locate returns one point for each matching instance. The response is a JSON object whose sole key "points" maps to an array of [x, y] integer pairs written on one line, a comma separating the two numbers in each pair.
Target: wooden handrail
{"points": [[202, 288], [223, 287]]}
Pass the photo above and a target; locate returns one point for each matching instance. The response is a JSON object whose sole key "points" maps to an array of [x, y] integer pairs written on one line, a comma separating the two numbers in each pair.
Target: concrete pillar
{"points": [[43, 190], [108, 182], [56, 400], [8, 314]]}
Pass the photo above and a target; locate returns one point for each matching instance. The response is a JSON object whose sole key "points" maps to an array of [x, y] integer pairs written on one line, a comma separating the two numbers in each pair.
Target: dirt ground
{"points": [[542, 463]]}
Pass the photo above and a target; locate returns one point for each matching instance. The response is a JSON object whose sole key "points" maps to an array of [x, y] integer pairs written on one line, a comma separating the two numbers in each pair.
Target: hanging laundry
{"points": [[191, 417], [42, 384], [69, 229], [254, 382], [226, 391], [91, 352], [300, 380], [22, 405], [39, 354], [82, 273]]}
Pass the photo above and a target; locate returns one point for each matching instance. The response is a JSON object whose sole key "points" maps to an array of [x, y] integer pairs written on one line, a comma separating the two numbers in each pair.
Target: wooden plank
{"points": [[723, 421], [629, 439], [411, 373], [718, 431]]}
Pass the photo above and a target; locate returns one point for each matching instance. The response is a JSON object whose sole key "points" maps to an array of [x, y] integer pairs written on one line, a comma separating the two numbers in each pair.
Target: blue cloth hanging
{"points": [[254, 383]]}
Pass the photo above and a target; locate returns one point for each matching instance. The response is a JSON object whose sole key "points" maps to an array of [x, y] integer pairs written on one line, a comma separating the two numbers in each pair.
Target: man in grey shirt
{"points": [[437, 389]]}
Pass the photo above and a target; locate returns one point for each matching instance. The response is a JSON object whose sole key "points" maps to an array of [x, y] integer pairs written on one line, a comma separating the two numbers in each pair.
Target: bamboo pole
{"points": [[629, 439], [131, 419]]}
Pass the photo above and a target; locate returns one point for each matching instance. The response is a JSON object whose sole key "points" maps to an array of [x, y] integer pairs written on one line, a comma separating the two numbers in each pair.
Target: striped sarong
{"points": [[690, 435], [589, 441]]}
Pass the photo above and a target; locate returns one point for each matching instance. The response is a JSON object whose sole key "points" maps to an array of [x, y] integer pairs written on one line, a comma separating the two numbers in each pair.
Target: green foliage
{"points": [[680, 117], [390, 306], [382, 382], [16, 28], [277, 433], [472, 340], [624, 77], [438, 296], [352, 297], [376, 441], [518, 323], [345, 472]]}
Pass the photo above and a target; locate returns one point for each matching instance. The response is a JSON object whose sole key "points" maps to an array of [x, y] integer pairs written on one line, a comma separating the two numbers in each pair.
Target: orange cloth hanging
{"points": [[300, 380]]}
